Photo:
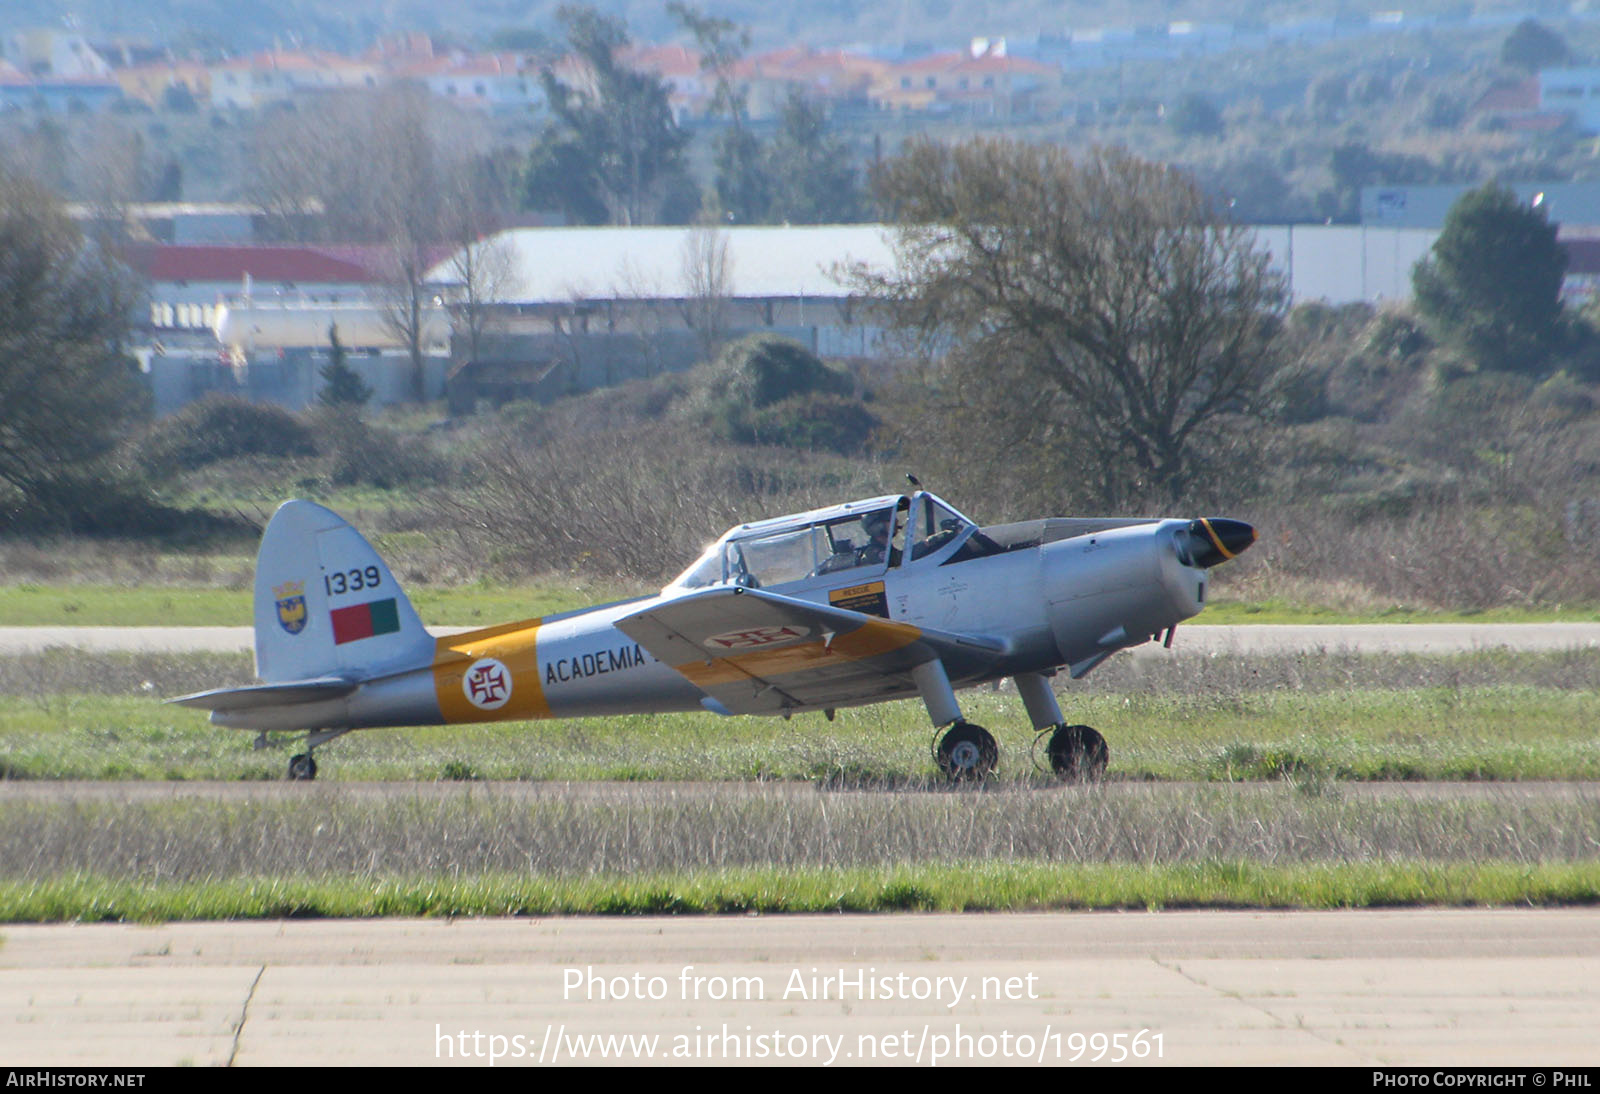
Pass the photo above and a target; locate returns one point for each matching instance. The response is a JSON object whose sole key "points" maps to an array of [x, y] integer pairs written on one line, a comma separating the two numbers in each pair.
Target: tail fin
{"points": [[327, 605]]}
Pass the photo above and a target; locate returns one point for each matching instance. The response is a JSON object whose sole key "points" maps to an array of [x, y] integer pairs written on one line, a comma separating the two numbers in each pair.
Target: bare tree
{"points": [[708, 286], [393, 167], [483, 274], [110, 175], [348, 159], [484, 264], [1097, 324]]}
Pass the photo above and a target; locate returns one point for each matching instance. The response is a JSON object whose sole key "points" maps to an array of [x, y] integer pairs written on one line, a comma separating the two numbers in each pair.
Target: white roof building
{"points": [[572, 265], [548, 268]]}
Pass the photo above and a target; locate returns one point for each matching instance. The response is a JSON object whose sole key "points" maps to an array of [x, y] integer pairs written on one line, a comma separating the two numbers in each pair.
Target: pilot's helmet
{"points": [[876, 524]]}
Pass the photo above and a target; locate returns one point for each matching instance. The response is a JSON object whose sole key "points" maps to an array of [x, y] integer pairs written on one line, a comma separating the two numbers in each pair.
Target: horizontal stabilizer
{"points": [[269, 695]]}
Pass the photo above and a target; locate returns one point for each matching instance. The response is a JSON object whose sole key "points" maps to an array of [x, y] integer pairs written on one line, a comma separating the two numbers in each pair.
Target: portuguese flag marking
{"points": [[364, 621]]}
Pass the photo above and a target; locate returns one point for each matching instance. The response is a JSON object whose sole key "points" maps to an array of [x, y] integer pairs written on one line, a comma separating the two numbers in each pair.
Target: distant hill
{"points": [[352, 25]]}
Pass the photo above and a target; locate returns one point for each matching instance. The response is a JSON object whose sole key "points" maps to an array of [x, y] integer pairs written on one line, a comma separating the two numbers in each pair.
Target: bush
{"points": [[766, 389], [363, 454], [826, 423], [222, 427], [108, 503], [766, 368]]}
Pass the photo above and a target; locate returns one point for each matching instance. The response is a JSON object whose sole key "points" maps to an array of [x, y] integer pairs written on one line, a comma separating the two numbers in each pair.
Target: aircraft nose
{"points": [[1217, 539]]}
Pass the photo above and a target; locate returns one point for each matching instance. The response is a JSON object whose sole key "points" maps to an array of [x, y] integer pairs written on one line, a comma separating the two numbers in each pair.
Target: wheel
{"points": [[302, 768], [967, 752], [1078, 753]]}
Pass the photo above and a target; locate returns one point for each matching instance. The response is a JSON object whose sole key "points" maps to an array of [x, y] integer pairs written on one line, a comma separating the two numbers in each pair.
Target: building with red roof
{"points": [[984, 80], [492, 82], [247, 83]]}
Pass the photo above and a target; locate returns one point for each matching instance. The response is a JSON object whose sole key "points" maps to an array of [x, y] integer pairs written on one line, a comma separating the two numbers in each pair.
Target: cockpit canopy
{"points": [[857, 539]]}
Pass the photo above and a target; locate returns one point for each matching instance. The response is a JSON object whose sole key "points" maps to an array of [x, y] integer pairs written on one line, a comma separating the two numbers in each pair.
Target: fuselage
{"points": [[1054, 593]]}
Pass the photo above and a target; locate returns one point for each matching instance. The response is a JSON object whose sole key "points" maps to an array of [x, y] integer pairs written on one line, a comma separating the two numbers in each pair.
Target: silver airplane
{"points": [[887, 598]]}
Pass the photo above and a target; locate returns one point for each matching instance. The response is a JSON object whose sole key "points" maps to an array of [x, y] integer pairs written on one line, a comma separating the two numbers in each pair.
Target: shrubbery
{"points": [[222, 427], [770, 390]]}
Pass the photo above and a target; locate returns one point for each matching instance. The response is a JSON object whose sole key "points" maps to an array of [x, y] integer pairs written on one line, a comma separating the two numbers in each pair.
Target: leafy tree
{"points": [[744, 189], [519, 40], [721, 45], [1532, 46], [1327, 96], [560, 174], [742, 185], [67, 391], [1355, 165], [811, 178], [1098, 325], [1492, 286], [341, 386], [620, 130], [1195, 116]]}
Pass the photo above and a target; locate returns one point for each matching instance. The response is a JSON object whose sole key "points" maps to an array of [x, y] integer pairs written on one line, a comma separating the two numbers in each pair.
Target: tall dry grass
{"points": [[587, 831]]}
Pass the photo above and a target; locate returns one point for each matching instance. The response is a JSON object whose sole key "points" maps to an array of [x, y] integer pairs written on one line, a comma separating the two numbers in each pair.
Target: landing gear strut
{"points": [[303, 766], [1078, 753], [967, 752]]}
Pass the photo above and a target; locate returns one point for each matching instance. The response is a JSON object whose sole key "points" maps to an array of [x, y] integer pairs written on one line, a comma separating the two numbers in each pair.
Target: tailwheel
{"points": [[1078, 753], [302, 768], [967, 753]]}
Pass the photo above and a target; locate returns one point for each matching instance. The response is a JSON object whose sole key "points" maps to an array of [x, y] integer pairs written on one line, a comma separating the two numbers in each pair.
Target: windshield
{"points": [[933, 525], [853, 542]]}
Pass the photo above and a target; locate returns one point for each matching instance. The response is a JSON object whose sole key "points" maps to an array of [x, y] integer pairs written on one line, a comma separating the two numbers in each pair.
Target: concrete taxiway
{"points": [[1455, 988]]}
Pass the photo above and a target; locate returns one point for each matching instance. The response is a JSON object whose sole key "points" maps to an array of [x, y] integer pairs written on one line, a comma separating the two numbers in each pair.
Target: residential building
{"points": [[249, 83]]}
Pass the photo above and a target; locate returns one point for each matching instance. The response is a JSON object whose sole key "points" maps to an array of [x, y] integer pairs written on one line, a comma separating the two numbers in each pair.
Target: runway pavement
{"points": [[1249, 638], [1455, 988]]}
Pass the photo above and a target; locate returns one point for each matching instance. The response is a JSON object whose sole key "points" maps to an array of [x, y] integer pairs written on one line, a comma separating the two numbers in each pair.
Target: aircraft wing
{"points": [[761, 653]]}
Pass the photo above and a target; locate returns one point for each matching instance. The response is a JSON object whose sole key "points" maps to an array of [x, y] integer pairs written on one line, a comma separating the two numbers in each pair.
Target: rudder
{"points": [[326, 604]]}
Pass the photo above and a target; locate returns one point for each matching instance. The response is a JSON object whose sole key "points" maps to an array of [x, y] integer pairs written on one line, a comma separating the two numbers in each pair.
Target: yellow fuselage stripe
{"points": [[515, 645]]}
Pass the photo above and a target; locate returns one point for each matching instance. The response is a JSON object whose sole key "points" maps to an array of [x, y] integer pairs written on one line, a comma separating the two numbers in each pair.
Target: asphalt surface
{"points": [[1438, 989]]}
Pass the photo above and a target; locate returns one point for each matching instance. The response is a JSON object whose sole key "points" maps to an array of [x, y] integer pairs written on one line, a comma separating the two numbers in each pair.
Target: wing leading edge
{"points": [[761, 653]]}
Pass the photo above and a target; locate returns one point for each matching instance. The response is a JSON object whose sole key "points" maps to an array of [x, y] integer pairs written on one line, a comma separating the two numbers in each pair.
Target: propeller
{"points": [[1214, 540]]}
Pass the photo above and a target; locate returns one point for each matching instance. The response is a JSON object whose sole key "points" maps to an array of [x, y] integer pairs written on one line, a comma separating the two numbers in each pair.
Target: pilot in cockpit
{"points": [[877, 525]]}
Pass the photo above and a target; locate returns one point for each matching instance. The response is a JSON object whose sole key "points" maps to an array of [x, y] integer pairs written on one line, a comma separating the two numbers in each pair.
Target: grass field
{"points": [[1480, 716], [329, 851], [953, 887], [877, 830]]}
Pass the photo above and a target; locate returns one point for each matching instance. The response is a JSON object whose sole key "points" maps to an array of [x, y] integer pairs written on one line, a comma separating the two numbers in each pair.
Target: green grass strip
{"points": [[945, 888]]}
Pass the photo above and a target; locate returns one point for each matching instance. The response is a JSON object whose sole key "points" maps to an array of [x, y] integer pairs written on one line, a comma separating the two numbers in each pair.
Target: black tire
{"points": [[302, 767], [967, 753], [1078, 754]]}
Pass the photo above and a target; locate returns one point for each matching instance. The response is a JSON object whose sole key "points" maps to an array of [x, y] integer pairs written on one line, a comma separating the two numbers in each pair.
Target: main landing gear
{"points": [[968, 752], [303, 765], [1077, 753]]}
